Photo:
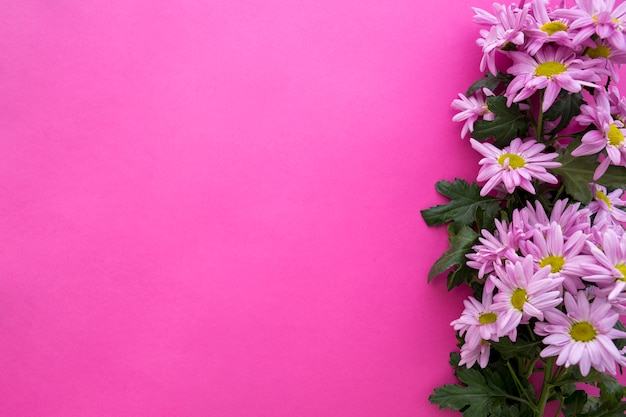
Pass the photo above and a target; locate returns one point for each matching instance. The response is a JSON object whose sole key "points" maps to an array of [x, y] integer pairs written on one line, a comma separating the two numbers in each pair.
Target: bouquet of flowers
{"points": [[540, 237]]}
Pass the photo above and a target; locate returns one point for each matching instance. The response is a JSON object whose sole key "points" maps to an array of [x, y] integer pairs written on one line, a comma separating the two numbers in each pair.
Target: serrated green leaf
{"points": [[460, 244], [566, 107], [465, 200], [460, 275], [620, 343], [574, 405], [490, 81], [476, 398], [521, 348], [611, 391], [509, 123], [577, 173]]}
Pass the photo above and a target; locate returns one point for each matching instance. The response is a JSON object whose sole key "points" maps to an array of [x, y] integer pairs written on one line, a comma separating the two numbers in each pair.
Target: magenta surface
{"points": [[211, 208]]}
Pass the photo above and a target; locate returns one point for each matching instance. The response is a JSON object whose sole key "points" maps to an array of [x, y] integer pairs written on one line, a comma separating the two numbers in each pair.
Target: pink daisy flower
{"points": [[583, 335], [609, 135], [478, 321], [471, 109], [551, 69], [565, 257], [507, 27], [606, 206], [493, 248], [609, 270], [597, 17], [523, 293], [514, 166], [543, 29], [472, 354], [603, 51], [569, 217]]}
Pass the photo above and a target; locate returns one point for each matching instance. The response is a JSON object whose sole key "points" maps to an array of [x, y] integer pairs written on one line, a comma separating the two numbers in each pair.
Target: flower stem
{"points": [[546, 387], [540, 119], [520, 388]]}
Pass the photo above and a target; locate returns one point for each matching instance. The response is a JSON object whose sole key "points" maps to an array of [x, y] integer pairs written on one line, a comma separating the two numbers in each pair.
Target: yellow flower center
{"points": [[602, 197], [582, 331], [616, 137], [549, 69], [621, 268], [599, 51], [556, 263], [487, 318], [511, 160], [552, 27], [518, 298]]}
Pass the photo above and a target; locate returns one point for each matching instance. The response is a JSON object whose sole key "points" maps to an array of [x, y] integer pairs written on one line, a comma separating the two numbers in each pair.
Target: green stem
{"points": [[520, 388], [546, 388], [558, 410], [540, 119]]}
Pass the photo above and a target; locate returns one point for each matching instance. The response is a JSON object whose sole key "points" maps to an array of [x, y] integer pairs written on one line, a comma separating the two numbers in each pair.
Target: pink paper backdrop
{"points": [[211, 208]]}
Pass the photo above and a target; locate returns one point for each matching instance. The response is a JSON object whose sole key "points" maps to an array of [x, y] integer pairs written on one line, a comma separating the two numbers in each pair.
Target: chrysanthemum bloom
{"points": [[607, 53], [582, 335], [552, 69], [478, 321], [618, 104], [493, 248], [565, 257], [609, 135], [597, 17], [507, 28], [472, 354], [543, 29], [471, 109], [606, 206], [524, 292], [609, 270], [569, 216], [515, 165]]}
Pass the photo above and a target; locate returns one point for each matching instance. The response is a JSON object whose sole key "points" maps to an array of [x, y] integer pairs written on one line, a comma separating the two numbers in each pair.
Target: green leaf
{"points": [[611, 391], [577, 173], [490, 81], [460, 244], [465, 200], [574, 405], [620, 343], [462, 274], [521, 348], [566, 108], [475, 399], [510, 123]]}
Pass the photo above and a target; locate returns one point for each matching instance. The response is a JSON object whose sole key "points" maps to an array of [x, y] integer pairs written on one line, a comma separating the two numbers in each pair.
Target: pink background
{"points": [[211, 208]]}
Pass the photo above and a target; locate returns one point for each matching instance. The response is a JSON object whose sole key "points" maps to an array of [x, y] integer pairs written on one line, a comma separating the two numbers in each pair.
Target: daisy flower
{"points": [[569, 217], [507, 28], [493, 248], [478, 321], [544, 30], [564, 256], [605, 52], [583, 335], [597, 17], [471, 109], [515, 165], [606, 206], [609, 270], [472, 354], [523, 293], [551, 69], [609, 135]]}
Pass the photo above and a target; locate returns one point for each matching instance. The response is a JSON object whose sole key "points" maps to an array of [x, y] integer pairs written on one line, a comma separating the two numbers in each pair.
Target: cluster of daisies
{"points": [[549, 51], [536, 264], [559, 269]]}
